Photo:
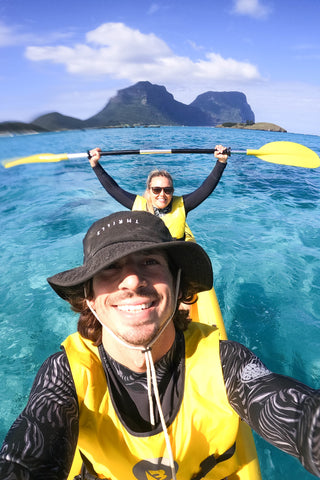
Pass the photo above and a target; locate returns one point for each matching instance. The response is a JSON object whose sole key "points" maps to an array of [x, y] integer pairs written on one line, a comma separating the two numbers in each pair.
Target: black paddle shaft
{"points": [[227, 151]]}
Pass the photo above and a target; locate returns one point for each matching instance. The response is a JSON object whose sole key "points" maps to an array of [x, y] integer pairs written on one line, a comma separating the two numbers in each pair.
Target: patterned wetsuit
{"points": [[41, 442]]}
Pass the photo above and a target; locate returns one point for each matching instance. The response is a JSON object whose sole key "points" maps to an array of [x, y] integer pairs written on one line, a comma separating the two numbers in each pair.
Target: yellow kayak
{"points": [[207, 310]]}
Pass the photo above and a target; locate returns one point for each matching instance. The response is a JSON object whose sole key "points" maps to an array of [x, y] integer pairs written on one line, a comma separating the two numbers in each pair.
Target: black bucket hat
{"points": [[112, 238]]}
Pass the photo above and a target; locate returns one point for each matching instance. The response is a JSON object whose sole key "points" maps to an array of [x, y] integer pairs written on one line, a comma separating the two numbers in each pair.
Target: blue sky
{"points": [[72, 56]]}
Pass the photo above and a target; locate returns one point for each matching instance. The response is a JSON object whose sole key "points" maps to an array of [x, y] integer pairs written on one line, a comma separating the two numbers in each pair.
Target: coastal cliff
{"points": [[225, 107]]}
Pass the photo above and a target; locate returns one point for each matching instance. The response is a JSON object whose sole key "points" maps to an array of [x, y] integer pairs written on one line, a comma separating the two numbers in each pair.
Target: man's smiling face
{"points": [[135, 296]]}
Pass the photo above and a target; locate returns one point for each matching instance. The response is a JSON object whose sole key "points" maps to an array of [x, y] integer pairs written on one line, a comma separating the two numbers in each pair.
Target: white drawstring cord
{"points": [[147, 354], [151, 373], [163, 422]]}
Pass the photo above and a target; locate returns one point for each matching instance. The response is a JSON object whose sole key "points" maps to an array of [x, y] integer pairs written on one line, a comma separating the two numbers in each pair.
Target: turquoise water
{"points": [[260, 228]]}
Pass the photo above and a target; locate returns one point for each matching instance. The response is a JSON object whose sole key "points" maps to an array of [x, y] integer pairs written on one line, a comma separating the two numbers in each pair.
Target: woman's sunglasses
{"points": [[157, 190]]}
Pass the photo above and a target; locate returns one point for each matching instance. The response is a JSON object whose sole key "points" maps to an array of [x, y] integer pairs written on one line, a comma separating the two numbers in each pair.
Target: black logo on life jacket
{"points": [[154, 469]]}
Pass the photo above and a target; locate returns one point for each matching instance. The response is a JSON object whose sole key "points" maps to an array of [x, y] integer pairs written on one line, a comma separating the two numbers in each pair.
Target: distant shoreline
{"points": [[20, 128]]}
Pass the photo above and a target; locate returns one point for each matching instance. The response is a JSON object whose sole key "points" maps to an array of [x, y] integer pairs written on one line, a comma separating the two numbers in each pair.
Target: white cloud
{"points": [[195, 46], [115, 50], [13, 36], [154, 7], [127, 43], [252, 8], [10, 36], [230, 68], [306, 51]]}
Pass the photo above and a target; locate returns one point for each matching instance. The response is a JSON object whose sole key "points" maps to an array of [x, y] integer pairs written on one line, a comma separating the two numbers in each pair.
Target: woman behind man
{"points": [[158, 198]]}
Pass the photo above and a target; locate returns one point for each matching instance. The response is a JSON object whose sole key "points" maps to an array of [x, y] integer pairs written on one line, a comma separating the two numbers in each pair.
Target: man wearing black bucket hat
{"points": [[138, 392]]}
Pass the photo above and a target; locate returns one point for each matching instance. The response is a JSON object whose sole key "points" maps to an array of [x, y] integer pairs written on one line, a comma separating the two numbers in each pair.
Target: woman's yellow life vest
{"points": [[204, 426], [174, 220]]}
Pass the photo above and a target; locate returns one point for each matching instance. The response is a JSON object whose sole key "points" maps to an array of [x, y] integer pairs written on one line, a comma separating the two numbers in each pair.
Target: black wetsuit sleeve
{"points": [[283, 411], [110, 185], [193, 199], [42, 440]]}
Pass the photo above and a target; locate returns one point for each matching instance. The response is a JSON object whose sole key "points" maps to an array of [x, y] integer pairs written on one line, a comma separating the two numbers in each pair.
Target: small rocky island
{"points": [[267, 127], [145, 104]]}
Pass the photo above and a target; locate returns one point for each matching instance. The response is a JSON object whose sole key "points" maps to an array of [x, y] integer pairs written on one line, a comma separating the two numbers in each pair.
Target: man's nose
{"points": [[132, 278]]}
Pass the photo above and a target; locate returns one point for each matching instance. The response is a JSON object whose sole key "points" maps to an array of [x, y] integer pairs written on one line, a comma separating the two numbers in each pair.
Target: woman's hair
{"points": [[158, 173], [89, 327], [154, 174]]}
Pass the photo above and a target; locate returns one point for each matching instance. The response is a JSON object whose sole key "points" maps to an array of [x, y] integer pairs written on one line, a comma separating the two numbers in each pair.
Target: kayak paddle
{"points": [[284, 153]]}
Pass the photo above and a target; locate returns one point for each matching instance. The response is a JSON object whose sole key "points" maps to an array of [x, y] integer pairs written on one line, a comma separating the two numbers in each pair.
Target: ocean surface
{"points": [[260, 227]]}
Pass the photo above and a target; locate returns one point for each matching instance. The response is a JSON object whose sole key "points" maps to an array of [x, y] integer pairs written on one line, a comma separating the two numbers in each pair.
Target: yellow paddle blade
{"points": [[287, 153], [40, 158]]}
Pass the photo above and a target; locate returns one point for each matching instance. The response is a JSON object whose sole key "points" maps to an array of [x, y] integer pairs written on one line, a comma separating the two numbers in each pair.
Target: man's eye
{"points": [[112, 266], [151, 261]]}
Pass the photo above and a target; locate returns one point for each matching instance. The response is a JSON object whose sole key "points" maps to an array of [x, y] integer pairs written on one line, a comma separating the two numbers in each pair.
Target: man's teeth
{"points": [[134, 308]]}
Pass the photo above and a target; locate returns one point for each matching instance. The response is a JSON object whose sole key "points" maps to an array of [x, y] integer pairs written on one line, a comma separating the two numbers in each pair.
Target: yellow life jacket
{"points": [[174, 220], [205, 426]]}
